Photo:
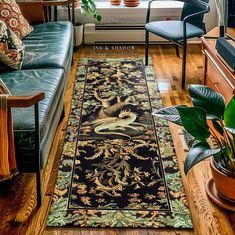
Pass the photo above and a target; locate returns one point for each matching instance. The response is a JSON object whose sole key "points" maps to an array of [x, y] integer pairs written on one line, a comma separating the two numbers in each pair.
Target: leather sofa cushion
{"points": [[48, 45], [50, 81]]}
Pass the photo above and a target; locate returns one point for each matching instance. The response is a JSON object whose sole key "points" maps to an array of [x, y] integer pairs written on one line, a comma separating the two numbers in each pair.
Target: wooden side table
{"points": [[55, 3], [217, 74]]}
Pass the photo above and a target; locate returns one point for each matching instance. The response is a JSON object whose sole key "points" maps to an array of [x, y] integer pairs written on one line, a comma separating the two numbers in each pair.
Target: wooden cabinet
{"points": [[217, 74]]}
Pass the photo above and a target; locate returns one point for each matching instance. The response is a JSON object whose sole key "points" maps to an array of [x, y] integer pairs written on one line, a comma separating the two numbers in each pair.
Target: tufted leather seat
{"points": [[49, 45], [48, 56]]}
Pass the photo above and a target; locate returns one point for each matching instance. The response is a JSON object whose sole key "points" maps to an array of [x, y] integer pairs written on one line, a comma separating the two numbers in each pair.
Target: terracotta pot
{"points": [[224, 181], [131, 3], [115, 2]]}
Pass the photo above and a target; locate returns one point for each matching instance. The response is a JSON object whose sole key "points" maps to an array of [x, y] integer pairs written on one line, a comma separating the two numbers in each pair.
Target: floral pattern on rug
{"points": [[118, 167]]}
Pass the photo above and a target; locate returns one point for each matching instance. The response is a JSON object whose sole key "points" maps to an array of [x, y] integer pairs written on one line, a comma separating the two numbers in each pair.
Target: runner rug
{"points": [[118, 167]]}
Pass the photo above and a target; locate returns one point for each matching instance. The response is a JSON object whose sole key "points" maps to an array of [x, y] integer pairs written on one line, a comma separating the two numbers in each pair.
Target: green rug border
{"points": [[61, 216]]}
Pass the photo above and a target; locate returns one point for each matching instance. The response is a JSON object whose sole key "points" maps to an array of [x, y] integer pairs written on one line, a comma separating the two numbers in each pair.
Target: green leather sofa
{"points": [[46, 66]]}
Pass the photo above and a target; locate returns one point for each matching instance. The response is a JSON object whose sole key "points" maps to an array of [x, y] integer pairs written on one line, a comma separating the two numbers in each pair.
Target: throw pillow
{"points": [[11, 47], [3, 88], [10, 13]]}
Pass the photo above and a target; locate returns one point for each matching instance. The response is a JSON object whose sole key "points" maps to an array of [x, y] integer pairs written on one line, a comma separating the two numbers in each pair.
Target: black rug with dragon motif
{"points": [[118, 167]]}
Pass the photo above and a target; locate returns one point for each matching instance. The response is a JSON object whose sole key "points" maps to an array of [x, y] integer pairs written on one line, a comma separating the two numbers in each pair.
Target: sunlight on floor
{"points": [[163, 85]]}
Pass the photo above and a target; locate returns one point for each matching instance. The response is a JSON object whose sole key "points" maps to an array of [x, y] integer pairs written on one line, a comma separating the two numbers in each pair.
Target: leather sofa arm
{"points": [[25, 101]]}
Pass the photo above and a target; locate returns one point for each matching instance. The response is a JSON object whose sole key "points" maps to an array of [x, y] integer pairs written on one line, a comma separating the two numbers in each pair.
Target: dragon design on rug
{"points": [[108, 110], [111, 125]]}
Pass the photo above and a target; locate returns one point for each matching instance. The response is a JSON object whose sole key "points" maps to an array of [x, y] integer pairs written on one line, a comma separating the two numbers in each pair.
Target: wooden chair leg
{"points": [[177, 50], [62, 116], [146, 47], [184, 64], [55, 13], [39, 191], [69, 13], [72, 61], [73, 14], [37, 155], [49, 14]]}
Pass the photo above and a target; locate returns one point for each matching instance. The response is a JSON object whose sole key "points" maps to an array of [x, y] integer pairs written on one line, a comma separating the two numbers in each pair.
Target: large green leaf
{"points": [[171, 114], [204, 97], [89, 7], [197, 153], [218, 127], [216, 123], [232, 139], [212, 117], [229, 114], [194, 121]]}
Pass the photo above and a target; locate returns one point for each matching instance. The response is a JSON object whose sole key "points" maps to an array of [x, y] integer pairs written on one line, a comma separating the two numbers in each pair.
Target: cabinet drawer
{"points": [[209, 82], [216, 78]]}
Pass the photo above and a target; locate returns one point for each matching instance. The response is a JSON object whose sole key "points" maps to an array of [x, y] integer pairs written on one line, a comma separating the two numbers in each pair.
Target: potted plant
{"points": [[115, 2], [209, 117], [89, 7]]}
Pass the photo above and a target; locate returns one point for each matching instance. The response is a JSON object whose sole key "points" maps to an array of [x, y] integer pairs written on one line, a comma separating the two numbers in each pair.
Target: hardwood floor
{"points": [[208, 218]]}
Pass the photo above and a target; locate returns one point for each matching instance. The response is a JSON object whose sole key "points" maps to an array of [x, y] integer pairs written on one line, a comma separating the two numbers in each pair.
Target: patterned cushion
{"points": [[3, 88], [11, 47], [10, 13]]}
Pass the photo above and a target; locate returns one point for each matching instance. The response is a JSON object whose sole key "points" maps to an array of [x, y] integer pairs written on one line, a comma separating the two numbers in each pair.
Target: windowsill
{"points": [[129, 15], [142, 5]]}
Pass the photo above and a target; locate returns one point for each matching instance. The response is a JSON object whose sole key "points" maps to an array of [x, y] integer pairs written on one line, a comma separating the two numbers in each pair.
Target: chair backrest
{"points": [[188, 9], [32, 11]]}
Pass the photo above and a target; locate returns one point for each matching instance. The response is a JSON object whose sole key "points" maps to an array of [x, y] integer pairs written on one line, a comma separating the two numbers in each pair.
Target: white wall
{"points": [[211, 18]]}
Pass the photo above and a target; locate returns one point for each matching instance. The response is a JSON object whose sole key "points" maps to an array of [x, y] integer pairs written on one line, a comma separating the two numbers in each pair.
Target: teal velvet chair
{"points": [[190, 25]]}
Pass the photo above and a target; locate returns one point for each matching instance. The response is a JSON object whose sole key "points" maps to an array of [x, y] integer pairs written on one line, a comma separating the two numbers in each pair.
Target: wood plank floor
{"points": [[208, 218]]}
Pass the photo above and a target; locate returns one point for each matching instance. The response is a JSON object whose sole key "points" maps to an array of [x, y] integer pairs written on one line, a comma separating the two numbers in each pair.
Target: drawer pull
{"points": [[215, 83]]}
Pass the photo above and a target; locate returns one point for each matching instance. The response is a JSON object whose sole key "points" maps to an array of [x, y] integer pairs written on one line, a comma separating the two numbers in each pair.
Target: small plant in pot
{"points": [[89, 7], [209, 117]]}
